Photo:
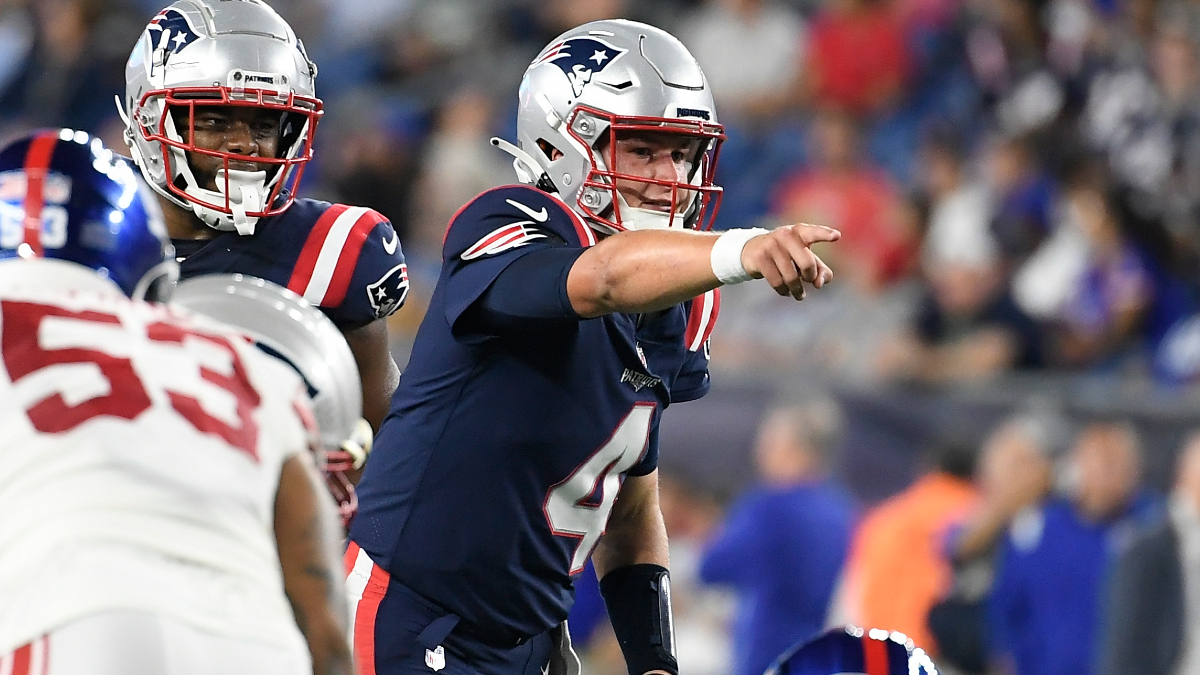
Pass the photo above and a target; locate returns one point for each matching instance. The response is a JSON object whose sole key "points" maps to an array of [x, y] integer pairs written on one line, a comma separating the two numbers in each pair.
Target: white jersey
{"points": [[140, 454]]}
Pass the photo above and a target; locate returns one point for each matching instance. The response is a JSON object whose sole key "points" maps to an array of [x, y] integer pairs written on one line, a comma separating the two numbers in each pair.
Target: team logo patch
{"points": [[502, 239], [435, 658], [581, 59], [171, 31], [387, 294]]}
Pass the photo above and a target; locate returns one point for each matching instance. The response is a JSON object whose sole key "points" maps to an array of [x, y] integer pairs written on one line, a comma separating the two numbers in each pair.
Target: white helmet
{"points": [[199, 53], [287, 327], [594, 82]]}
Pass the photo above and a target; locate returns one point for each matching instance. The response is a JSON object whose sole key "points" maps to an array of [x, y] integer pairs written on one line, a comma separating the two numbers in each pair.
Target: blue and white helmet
{"points": [[595, 81], [854, 651], [63, 195]]}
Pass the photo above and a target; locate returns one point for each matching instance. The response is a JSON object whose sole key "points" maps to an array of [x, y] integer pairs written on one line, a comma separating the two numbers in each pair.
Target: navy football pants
{"points": [[397, 632]]}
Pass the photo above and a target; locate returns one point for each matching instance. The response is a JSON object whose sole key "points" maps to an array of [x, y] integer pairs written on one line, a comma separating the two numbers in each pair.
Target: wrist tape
{"points": [[726, 258]]}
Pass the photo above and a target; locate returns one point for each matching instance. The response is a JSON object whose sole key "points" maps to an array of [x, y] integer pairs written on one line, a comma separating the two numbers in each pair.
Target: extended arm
{"points": [[650, 270], [308, 534], [380, 376]]}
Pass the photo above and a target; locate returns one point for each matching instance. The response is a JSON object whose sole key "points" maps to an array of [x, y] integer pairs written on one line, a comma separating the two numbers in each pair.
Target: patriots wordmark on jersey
{"points": [[346, 260], [493, 477]]}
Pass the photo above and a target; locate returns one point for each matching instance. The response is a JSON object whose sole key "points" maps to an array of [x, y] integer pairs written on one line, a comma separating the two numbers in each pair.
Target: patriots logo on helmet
{"points": [[580, 59], [170, 32], [387, 294]]}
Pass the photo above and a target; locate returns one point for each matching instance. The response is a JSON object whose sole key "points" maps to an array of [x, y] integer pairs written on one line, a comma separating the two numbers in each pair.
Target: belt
{"points": [[442, 625], [506, 640]]}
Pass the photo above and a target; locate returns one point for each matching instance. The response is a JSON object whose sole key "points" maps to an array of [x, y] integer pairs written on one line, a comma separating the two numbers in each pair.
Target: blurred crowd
{"points": [[1018, 186], [1017, 181], [1033, 546]]}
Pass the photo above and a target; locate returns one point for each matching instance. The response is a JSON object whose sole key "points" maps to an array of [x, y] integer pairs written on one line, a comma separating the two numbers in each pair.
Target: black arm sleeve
{"points": [[638, 598], [530, 293]]}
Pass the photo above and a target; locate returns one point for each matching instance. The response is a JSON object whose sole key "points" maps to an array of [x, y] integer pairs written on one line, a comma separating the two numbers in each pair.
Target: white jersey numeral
{"points": [[579, 506]]}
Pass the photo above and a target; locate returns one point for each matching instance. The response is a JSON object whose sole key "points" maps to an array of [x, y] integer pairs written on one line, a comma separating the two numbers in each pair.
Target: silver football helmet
{"points": [[198, 53], [596, 83], [287, 327]]}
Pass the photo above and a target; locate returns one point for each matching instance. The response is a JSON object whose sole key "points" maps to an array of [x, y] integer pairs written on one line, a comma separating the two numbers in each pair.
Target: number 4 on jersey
{"points": [[578, 507]]}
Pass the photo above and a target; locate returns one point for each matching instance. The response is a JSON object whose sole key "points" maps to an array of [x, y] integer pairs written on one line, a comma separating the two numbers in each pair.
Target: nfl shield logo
{"points": [[435, 658]]}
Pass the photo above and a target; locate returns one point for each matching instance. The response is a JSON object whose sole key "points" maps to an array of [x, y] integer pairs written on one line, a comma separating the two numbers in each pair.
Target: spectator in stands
{"points": [[457, 164], [1087, 283], [896, 570], [843, 189], [1046, 599], [1014, 473], [1022, 194], [1151, 623], [1146, 119], [784, 541], [1006, 48], [967, 327], [73, 70], [858, 59], [751, 53]]}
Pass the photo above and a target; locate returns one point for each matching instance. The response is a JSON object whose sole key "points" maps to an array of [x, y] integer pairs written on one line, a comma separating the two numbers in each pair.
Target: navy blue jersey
{"points": [[346, 260], [494, 474]]}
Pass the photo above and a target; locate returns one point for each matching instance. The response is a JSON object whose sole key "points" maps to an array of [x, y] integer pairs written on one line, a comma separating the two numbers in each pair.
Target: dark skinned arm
{"points": [[308, 533], [380, 376]]}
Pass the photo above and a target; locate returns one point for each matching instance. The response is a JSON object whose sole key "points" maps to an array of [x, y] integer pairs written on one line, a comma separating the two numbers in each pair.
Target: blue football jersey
{"points": [[494, 474], [346, 260]]}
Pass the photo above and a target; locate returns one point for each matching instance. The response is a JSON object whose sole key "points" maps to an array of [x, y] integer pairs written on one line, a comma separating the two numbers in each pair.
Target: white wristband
{"points": [[726, 258]]}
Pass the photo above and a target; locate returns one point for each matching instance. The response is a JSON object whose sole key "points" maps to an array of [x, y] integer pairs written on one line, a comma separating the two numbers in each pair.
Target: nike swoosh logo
{"points": [[540, 216], [390, 246]]}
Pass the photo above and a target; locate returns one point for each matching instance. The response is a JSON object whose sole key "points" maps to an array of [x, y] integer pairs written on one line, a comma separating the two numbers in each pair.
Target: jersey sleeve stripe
{"points": [[307, 261], [343, 270], [702, 318], [319, 287], [508, 231], [366, 584]]}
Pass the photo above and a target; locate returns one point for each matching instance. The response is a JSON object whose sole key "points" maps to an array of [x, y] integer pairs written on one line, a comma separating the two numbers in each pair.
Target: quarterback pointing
{"points": [[570, 312]]}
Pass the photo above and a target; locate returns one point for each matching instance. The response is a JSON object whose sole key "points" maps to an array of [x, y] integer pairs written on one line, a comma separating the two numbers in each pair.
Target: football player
{"points": [[286, 326], [570, 311], [162, 509], [220, 112]]}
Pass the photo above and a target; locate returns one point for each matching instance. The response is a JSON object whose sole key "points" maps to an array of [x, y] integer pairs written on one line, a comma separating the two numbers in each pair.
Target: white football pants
{"points": [[142, 643]]}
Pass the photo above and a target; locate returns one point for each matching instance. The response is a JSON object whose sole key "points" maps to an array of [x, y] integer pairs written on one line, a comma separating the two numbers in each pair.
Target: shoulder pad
{"points": [[508, 217]]}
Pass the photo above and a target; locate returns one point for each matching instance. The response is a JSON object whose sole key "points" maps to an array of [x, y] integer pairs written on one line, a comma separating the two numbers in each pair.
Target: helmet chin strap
{"points": [[246, 189]]}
